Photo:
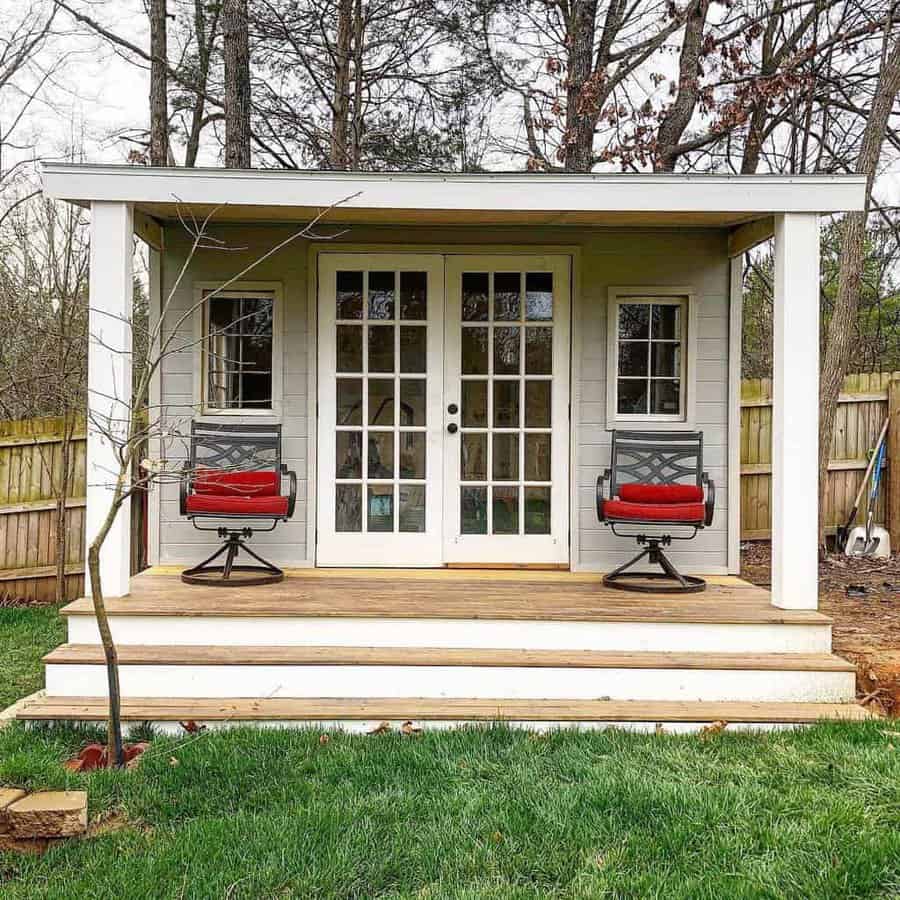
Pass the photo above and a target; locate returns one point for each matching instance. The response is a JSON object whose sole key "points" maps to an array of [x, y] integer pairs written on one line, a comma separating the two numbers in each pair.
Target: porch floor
{"points": [[448, 594]]}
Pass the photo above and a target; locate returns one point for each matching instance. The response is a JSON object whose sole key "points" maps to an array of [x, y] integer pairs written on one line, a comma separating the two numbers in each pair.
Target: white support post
{"points": [[795, 413], [109, 384]]}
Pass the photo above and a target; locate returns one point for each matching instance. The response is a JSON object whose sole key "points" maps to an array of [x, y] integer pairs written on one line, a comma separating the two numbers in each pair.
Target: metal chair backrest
{"points": [[235, 446], [656, 457]]}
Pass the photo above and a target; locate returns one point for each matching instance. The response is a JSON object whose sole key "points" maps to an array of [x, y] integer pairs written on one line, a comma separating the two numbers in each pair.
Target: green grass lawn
{"points": [[26, 634], [477, 813]]}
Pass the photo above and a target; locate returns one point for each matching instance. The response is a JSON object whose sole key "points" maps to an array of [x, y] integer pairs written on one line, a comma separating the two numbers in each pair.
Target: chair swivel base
{"points": [[229, 573], [625, 579]]}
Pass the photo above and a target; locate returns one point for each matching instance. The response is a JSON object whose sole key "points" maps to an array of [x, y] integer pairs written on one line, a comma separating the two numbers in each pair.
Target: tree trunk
{"points": [[842, 327], [339, 156], [159, 107], [580, 104], [237, 84], [679, 114]]}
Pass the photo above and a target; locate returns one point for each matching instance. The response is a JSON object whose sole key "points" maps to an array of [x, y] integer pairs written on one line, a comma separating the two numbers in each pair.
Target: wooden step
{"points": [[455, 710], [191, 655]]}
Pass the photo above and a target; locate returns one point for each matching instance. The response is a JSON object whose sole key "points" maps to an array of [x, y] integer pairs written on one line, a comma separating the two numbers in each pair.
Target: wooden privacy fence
{"points": [[31, 453], [862, 407]]}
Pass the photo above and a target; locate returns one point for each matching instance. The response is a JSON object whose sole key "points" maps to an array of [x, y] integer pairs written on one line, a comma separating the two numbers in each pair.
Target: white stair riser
{"points": [[471, 633], [480, 682]]}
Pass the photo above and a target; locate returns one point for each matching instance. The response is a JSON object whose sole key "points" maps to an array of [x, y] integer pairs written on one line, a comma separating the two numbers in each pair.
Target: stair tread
{"points": [[174, 655], [316, 709]]}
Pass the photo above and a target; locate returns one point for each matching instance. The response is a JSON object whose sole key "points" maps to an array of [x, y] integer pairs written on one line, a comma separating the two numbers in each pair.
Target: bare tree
{"points": [[159, 84], [237, 84]]}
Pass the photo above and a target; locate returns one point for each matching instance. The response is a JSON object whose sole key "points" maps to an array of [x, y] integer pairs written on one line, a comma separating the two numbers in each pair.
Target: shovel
{"points": [[866, 541], [843, 531]]}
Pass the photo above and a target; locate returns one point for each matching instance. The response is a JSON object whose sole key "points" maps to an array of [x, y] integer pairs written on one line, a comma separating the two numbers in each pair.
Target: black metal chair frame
{"points": [[655, 457], [227, 447]]}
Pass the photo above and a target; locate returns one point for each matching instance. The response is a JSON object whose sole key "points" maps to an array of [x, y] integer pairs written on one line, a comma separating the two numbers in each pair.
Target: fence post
{"points": [[893, 454]]}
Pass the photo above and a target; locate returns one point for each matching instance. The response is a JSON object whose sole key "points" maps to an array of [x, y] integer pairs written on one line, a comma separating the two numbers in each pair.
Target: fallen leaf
{"points": [[173, 761], [324, 739], [713, 728], [383, 728], [497, 837], [408, 729], [659, 728], [192, 727]]}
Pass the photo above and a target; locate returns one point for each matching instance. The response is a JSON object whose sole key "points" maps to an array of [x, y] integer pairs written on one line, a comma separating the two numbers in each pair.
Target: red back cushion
{"points": [[236, 484], [660, 493]]}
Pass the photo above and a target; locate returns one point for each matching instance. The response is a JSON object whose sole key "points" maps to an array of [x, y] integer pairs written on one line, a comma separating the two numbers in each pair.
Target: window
{"points": [[239, 351], [649, 356]]}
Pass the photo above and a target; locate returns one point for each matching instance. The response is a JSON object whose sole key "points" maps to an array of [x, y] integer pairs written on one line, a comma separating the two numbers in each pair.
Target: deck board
{"points": [[288, 709], [541, 596], [191, 655]]}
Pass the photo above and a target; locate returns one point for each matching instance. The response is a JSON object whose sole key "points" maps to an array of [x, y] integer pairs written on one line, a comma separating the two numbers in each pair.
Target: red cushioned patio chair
{"points": [[656, 479], [234, 472]]}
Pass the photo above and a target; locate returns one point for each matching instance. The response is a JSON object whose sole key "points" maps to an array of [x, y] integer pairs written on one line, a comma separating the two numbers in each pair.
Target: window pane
{"points": [[506, 404], [473, 457], [381, 348], [539, 351], [349, 295], [381, 295], [537, 510], [474, 404], [537, 404], [256, 317], [474, 351], [539, 296], [666, 321], [665, 398], [224, 315], [632, 397], [506, 510], [634, 321], [381, 507], [475, 297], [381, 454], [507, 288], [506, 351], [256, 353], [256, 391], [381, 401], [224, 388], [666, 359], [349, 401], [537, 457], [506, 457], [412, 507], [412, 401], [348, 507], [413, 304], [349, 348], [348, 454], [633, 358], [412, 454], [473, 510], [413, 349]]}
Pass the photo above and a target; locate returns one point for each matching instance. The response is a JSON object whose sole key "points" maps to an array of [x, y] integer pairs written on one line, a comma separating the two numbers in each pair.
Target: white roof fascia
{"points": [[522, 192]]}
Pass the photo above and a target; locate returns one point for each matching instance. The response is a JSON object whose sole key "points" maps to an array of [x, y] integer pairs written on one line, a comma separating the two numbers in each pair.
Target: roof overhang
{"points": [[501, 198]]}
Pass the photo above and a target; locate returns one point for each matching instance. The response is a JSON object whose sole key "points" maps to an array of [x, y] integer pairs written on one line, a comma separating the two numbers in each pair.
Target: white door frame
{"points": [[420, 549], [552, 548]]}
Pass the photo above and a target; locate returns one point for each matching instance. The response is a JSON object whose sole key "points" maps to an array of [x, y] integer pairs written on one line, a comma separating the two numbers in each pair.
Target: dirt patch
{"points": [[866, 622]]}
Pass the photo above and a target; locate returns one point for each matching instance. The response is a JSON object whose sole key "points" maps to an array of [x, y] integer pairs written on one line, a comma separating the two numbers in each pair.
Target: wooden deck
{"points": [[448, 594]]}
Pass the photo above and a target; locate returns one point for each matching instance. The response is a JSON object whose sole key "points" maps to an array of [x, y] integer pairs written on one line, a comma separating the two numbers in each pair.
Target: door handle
{"points": [[453, 428], [453, 409]]}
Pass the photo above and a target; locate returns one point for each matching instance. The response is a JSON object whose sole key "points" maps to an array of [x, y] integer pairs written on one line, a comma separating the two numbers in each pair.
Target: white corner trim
{"points": [[238, 289], [735, 330], [620, 293]]}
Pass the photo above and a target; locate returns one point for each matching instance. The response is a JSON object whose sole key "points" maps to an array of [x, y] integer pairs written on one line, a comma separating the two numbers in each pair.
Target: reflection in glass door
{"points": [[379, 423], [506, 398]]}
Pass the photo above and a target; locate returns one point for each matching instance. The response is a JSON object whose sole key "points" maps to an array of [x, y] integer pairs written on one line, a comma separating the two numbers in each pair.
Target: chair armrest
{"points": [[292, 497], [601, 493], [184, 488], [710, 499]]}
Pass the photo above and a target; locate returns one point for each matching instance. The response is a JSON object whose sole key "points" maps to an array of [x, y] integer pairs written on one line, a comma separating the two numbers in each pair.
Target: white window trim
{"points": [[251, 289], [650, 422]]}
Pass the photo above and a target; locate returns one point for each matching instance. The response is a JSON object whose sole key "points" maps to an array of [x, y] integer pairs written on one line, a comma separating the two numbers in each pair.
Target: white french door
{"points": [[443, 394], [506, 372], [380, 391]]}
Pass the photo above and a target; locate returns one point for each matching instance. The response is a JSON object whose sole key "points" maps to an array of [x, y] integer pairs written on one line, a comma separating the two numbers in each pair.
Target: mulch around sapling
{"points": [[866, 627]]}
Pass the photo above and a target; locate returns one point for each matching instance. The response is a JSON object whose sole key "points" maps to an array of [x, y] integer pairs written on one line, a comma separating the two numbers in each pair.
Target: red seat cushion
{"points": [[246, 506], [654, 512], [661, 493], [219, 483]]}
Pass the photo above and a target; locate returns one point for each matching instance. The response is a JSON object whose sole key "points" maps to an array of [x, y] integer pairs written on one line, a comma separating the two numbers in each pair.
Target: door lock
{"points": [[453, 428], [453, 409]]}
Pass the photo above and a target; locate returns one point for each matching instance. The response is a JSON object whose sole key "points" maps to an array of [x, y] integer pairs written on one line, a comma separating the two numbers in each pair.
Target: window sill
{"points": [[648, 423]]}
